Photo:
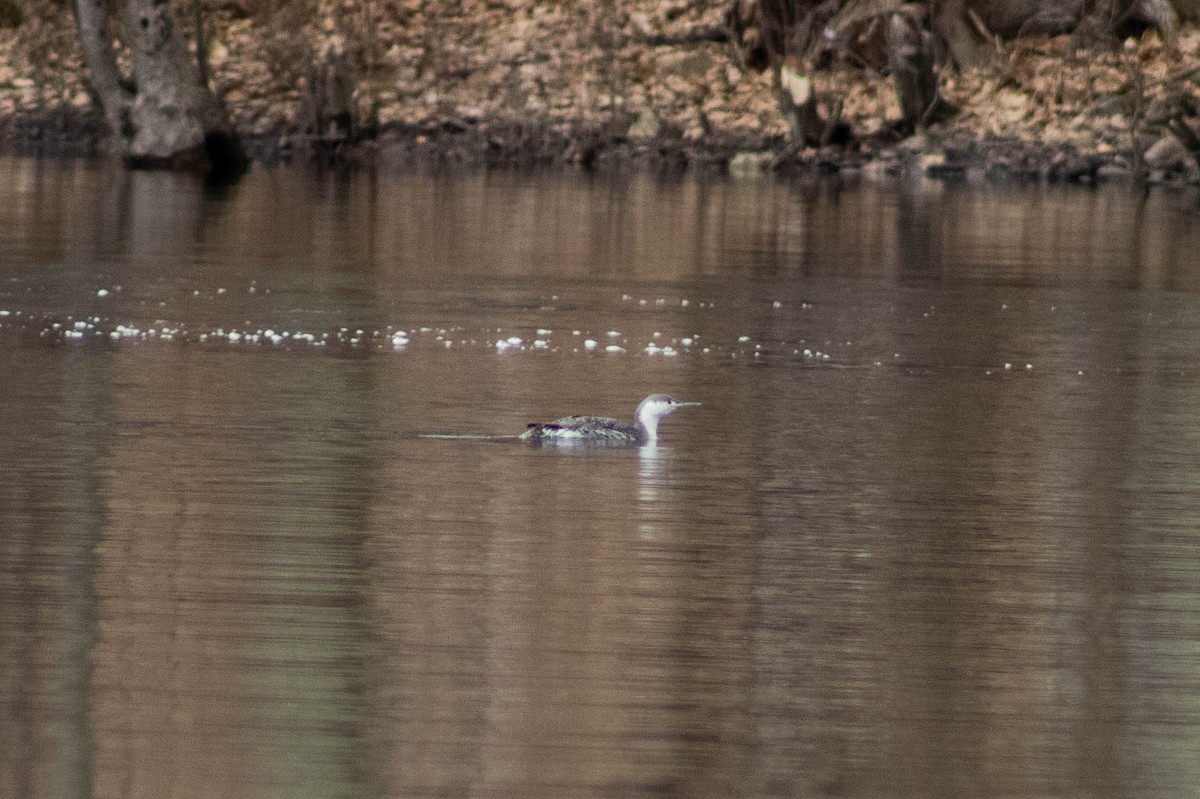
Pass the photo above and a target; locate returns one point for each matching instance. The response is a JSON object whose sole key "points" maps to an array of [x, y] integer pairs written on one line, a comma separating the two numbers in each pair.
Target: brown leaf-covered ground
{"points": [[579, 81]]}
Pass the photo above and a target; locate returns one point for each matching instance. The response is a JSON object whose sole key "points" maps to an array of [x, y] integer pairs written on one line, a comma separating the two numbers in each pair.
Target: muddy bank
{"points": [[622, 86], [947, 154], [940, 153]]}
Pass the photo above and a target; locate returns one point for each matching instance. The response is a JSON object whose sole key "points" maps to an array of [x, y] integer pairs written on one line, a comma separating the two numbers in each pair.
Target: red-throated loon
{"points": [[602, 429]]}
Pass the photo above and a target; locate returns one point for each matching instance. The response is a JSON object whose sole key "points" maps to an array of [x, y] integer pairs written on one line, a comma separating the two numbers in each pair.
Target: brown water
{"points": [[935, 530]]}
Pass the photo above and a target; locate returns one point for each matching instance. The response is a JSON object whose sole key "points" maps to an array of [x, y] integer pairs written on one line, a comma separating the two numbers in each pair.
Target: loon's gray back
{"points": [[585, 428]]}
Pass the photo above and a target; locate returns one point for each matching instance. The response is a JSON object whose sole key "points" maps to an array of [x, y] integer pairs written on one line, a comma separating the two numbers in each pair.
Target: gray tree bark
{"points": [[912, 60], [95, 38], [163, 116]]}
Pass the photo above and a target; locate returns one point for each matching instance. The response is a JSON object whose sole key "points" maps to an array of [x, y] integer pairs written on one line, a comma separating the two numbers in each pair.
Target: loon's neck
{"points": [[647, 426]]}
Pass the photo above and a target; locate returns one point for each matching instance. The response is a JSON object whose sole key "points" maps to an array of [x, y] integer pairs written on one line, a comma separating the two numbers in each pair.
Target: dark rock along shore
{"points": [[626, 84]]}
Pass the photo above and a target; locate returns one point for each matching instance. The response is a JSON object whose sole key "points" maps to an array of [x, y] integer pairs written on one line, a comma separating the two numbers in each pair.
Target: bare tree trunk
{"points": [[798, 101], [912, 60], [165, 116], [114, 94]]}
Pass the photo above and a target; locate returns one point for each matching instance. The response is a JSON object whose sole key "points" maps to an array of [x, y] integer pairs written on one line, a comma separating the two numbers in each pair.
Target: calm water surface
{"points": [[935, 531]]}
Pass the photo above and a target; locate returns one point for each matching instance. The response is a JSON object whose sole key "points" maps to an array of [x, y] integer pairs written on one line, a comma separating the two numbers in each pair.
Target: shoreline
{"points": [[942, 154], [535, 87]]}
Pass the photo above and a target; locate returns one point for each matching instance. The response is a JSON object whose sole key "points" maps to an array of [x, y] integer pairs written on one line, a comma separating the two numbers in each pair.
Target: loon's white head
{"points": [[655, 407]]}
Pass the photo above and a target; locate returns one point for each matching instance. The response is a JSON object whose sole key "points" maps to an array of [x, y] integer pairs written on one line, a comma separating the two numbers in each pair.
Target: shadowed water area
{"points": [[934, 530]]}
